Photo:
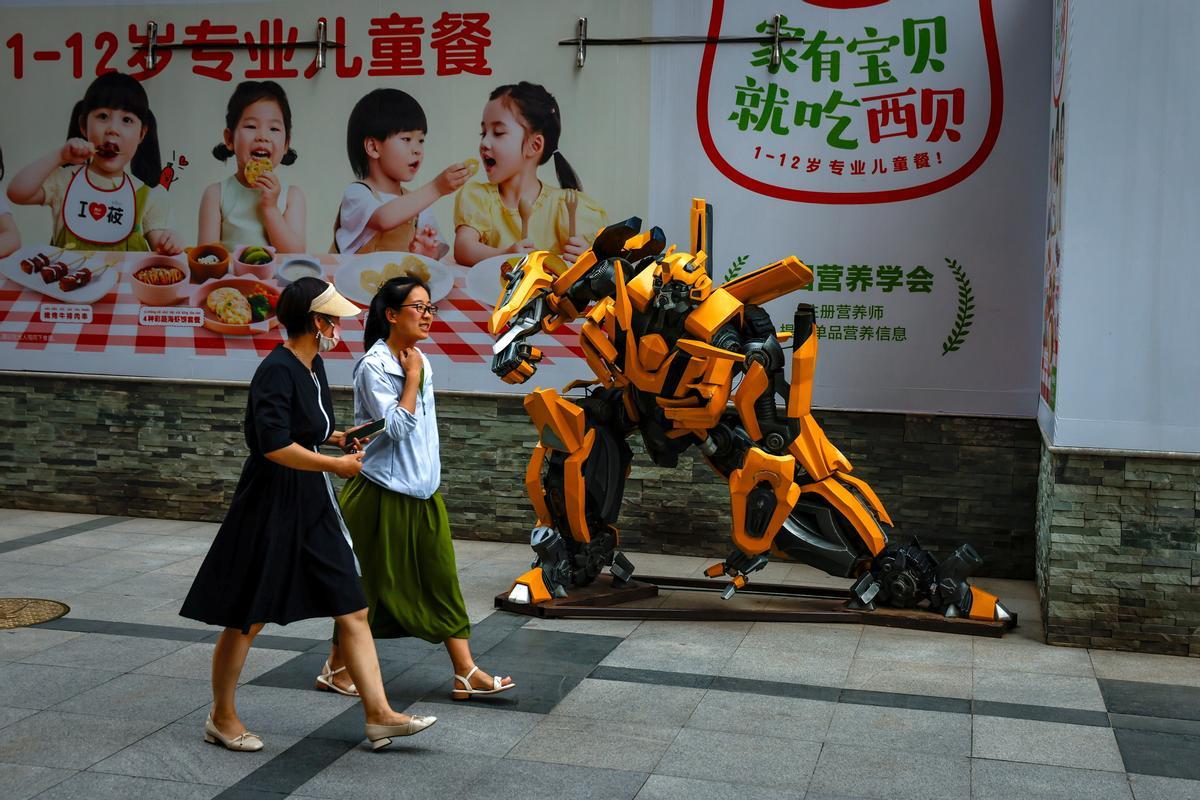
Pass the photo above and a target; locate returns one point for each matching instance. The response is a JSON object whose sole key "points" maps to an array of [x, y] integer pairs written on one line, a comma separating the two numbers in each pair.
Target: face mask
{"points": [[326, 343]]}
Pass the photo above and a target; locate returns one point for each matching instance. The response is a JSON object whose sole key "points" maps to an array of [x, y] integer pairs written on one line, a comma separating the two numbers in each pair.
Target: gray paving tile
{"points": [[513, 778], [270, 711], [607, 744], [131, 560], [11, 571], [52, 553], [1068, 716], [296, 765], [1154, 787], [195, 661], [785, 637], [111, 607], [179, 545], [1151, 699], [105, 651], [903, 729], [10, 714], [631, 702], [1061, 691], [669, 787], [141, 697], [900, 646], [740, 758], [1118, 665], [800, 691], [107, 538], [1186, 727], [699, 656], [1004, 780], [930, 679], [153, 584], [552, 651], [855, 771], [403, 771], [915, 702], [1169, 755], [654, 676], [26, 686], [758, 714], [474, 729], [106, 786], [178, 752], [68, 741], [56, 582], [1019, 655], [537, 692], [17, 643], [22, 781], [788, 667], [1050, 743]]}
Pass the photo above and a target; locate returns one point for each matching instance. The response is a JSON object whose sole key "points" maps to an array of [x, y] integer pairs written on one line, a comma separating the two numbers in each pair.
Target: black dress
{"points": [[282, 553]]}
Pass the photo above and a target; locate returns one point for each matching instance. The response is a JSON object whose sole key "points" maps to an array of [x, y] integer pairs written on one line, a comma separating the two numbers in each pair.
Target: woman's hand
{"points": [[76, 151], [410, 359], [349, 465]]}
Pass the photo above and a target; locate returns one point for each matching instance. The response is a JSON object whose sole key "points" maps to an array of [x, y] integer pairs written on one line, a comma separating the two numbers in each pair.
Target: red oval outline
{"points": [[841, 5], [996, 80]]}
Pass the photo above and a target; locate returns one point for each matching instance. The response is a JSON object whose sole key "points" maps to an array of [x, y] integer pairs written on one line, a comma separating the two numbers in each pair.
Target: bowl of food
{"points": [[160, 280], [254, 260], [207, 261], [296, 268], [237, 306]]}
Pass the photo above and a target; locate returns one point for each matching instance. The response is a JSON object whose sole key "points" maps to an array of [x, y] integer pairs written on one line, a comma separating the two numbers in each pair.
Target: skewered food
{"points": [[108, 150]]}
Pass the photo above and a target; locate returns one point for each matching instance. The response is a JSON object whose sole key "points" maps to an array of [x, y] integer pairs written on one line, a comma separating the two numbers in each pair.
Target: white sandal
{"points": [[325, 681], [471, 691]]}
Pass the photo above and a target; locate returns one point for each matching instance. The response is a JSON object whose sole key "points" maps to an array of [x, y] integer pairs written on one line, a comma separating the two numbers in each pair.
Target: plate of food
{"points": [[483, 280], [237, 306], [68, 276], [359, 277]]}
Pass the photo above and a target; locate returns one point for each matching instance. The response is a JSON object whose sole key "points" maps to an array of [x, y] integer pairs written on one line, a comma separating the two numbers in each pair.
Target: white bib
{"points": [[99, 216]]}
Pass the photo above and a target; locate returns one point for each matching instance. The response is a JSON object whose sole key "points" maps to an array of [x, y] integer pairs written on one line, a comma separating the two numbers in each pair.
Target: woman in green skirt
{"points": [[392, 508]]}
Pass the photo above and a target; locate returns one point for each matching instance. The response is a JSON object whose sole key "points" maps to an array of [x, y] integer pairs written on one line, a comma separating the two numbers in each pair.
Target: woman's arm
{"points": [[294, 456]]}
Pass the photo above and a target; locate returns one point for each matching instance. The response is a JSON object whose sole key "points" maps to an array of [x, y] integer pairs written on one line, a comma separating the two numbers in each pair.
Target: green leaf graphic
{"points": [[966, 309], [736, 268]]}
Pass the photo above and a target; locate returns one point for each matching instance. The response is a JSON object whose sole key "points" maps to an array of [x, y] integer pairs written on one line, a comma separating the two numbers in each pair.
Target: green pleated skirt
{"points": [[407, 559]]}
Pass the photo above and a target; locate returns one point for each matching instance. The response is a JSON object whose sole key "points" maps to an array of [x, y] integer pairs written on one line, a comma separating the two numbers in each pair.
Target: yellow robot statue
{"points": [[665, 345]]}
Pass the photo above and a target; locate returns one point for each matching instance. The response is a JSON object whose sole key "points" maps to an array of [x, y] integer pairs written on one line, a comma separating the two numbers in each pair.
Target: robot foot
{"points": [[738, 567], [905, 576], [621, 568]]}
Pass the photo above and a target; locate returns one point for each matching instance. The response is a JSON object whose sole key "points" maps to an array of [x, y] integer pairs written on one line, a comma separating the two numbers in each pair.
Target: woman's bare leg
{"points": [[342, 680], [462, 660], [358, 650], [229, 657]]}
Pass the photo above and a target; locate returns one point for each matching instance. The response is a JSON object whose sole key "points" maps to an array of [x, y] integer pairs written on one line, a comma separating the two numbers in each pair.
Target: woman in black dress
{"points": [[283, 554]]}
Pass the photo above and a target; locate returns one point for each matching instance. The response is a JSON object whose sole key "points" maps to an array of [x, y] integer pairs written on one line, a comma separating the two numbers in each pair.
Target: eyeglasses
{"points": [[422, 308]]}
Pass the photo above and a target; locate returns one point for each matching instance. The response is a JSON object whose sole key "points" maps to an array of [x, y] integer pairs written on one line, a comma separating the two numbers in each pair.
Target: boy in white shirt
{"points": [[385, 140]]}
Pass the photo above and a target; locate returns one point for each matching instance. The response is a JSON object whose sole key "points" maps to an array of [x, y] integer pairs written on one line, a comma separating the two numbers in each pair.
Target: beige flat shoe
{"points": [[325, 681], [245, 741], [470, 691], [381, 736]]}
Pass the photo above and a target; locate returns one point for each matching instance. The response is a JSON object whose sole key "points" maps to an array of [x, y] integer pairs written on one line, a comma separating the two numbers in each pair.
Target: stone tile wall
{"points": [[1119, 552], [174, 450]]}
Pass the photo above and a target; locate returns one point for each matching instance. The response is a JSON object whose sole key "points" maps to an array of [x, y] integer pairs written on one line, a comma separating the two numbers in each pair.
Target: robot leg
{"points": [[575, 481]]}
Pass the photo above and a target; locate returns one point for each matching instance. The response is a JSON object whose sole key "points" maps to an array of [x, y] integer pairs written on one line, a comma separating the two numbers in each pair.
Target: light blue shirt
{"points": [[404, 457]]}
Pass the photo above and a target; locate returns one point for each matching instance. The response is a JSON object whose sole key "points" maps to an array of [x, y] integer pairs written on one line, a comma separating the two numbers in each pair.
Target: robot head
{"points": [[530, 278], [682, 277]]}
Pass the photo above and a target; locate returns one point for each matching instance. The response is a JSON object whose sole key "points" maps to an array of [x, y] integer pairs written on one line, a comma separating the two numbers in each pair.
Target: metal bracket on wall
{"points": [[773, 38], [321, 44]]}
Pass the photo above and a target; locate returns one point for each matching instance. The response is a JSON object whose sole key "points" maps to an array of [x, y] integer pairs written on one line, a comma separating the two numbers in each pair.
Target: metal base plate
{"points": [[601, 600]]}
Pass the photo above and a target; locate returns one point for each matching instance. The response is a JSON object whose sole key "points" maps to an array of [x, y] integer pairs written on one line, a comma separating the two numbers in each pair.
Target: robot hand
{"points": [[516, 363]]}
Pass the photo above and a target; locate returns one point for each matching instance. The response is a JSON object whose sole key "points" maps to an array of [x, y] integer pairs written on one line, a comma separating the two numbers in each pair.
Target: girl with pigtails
{"points": [[514, 212], [393, 510]]}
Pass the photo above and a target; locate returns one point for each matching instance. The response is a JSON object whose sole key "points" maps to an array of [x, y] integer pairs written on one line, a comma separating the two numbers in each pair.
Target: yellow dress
{"points": [[477, 205]]}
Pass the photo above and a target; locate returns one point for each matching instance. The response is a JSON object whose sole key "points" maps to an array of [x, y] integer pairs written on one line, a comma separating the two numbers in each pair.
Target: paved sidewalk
{"points": [[109, 701]]}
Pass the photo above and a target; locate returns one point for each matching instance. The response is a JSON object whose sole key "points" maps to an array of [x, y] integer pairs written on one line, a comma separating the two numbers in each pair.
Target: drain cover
{"points": [[18, 612]]}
